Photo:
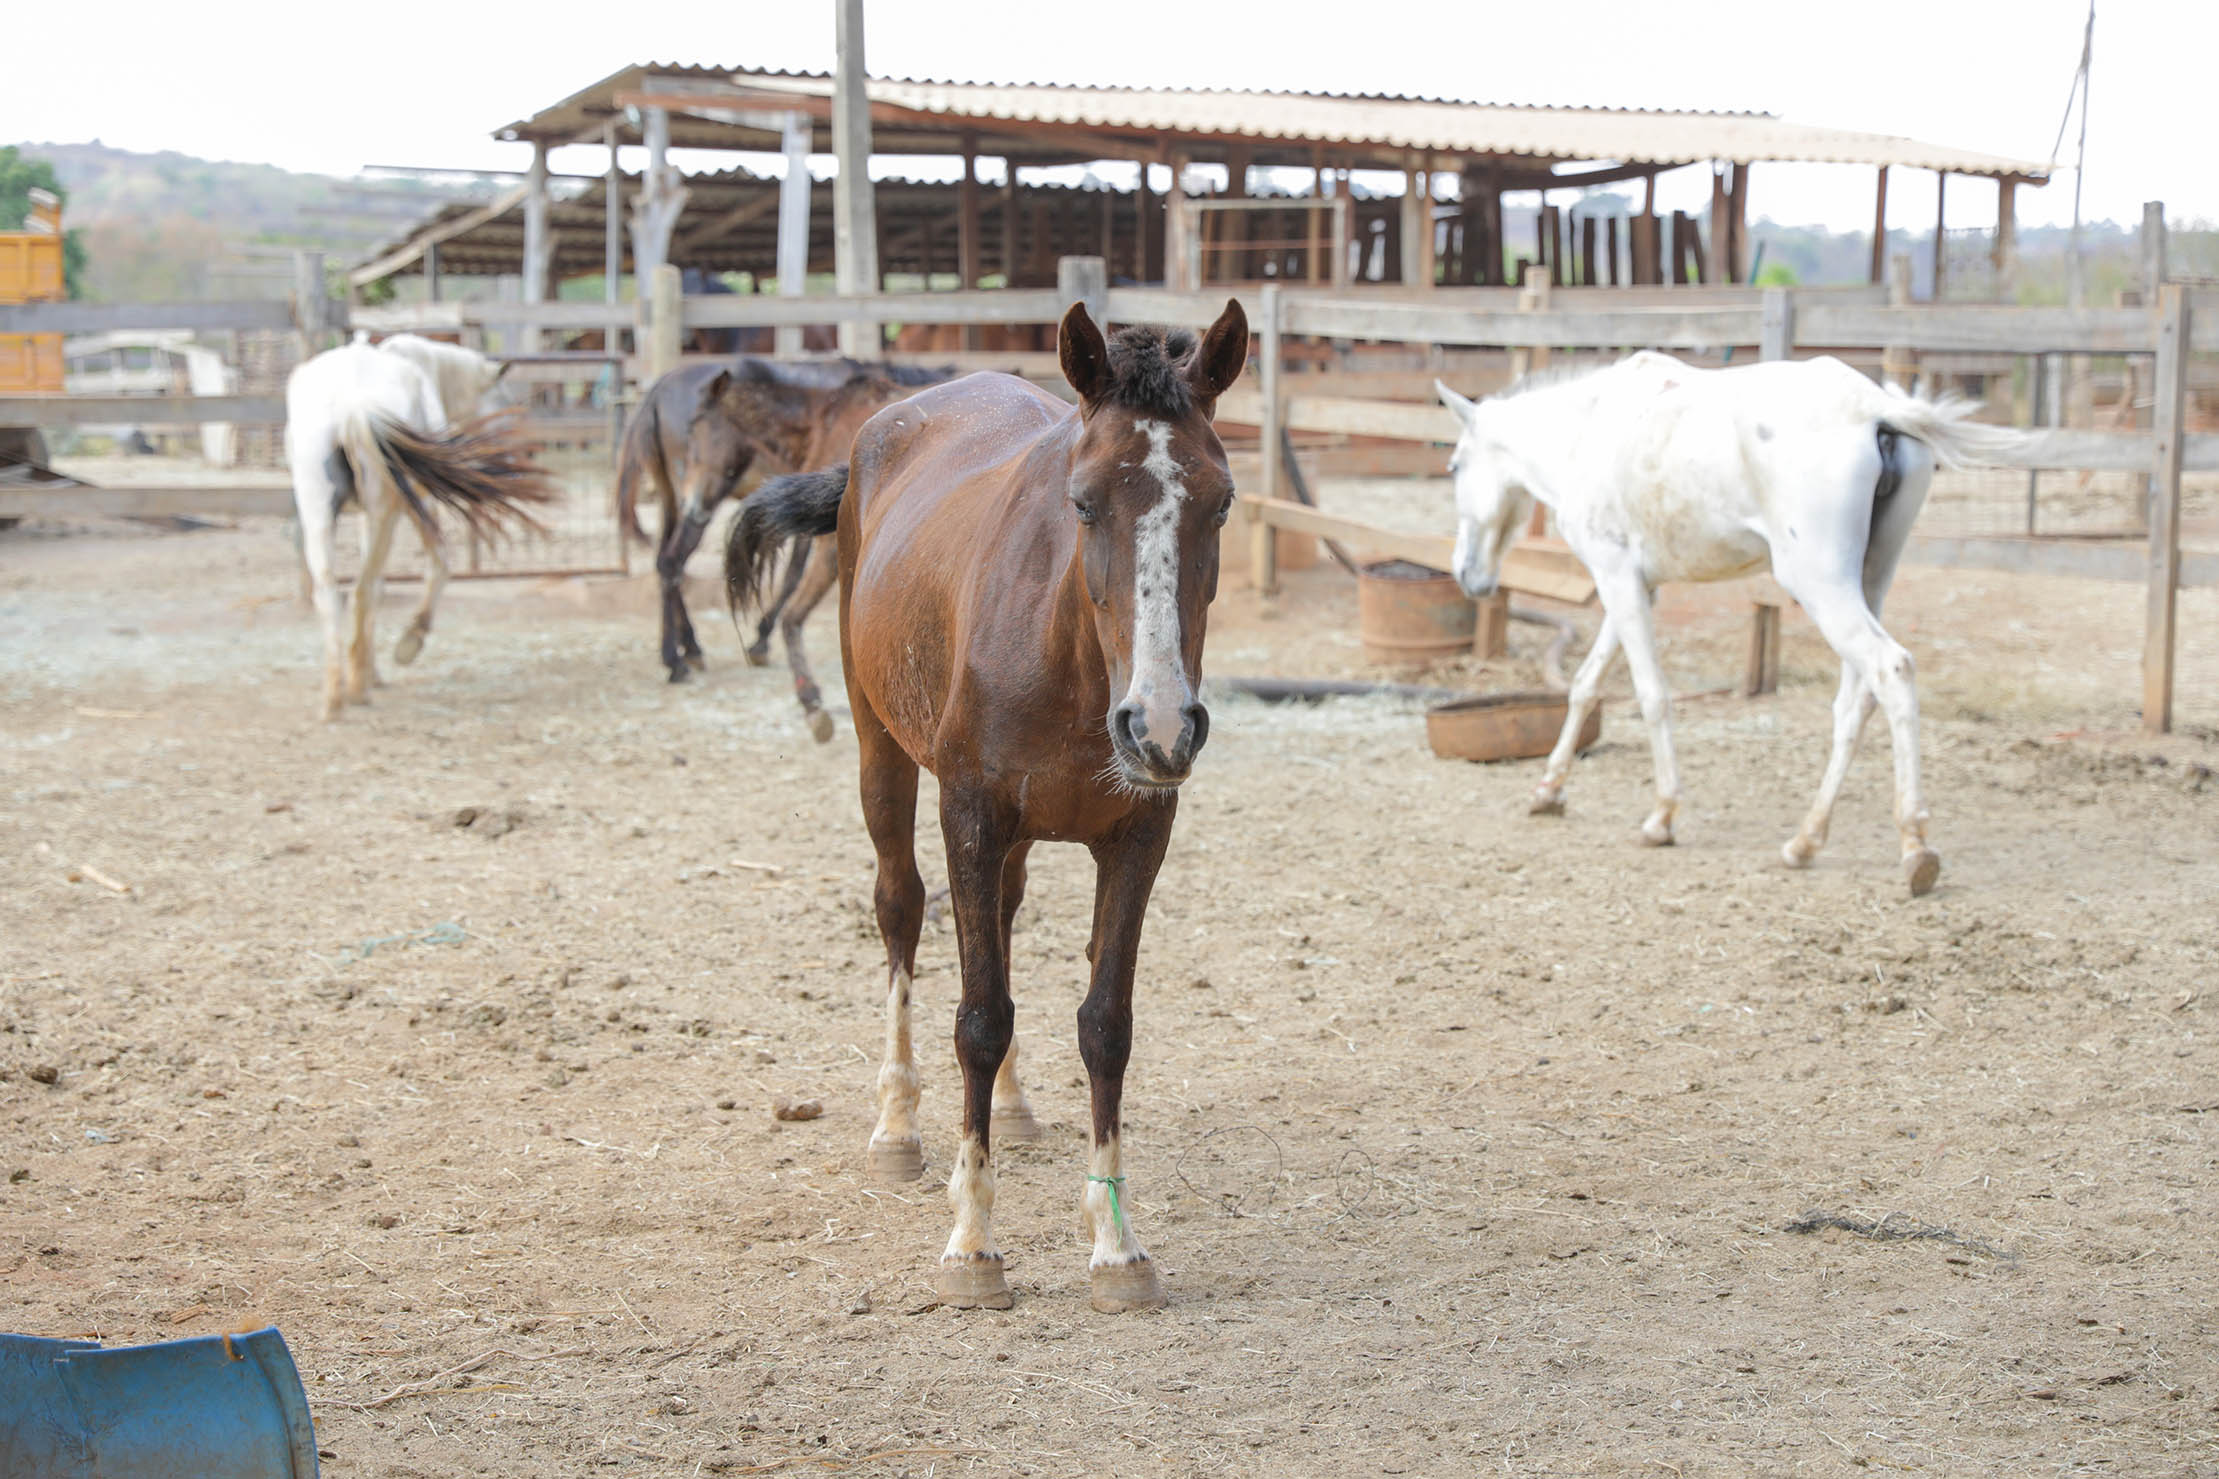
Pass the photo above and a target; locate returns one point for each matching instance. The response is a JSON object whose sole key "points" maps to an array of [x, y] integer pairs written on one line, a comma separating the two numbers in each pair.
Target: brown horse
{"points": [[699, 431], [1023, 590]]}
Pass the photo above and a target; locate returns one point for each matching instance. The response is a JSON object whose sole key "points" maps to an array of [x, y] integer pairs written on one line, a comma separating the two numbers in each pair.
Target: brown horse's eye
{"points": [[1086, 513], [1224, 510]]}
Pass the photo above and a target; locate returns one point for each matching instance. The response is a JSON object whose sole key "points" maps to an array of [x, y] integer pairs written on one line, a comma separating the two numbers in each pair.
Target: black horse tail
{"points": [[802, 504]]}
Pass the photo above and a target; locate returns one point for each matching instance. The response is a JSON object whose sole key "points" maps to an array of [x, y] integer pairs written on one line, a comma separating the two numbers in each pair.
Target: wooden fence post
{"points": [[664, 333], [311, 302], [1897, 362], [1263, 540], [1777, 335], [1085, 280], [2164, 569]]}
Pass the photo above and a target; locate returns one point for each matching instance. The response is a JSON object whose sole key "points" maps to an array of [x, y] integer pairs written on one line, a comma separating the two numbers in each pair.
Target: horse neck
{"points": [[1537, 434]]}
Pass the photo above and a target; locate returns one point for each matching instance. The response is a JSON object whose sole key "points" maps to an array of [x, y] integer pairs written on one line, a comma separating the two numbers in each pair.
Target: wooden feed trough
{"points": [[1504, 726]]}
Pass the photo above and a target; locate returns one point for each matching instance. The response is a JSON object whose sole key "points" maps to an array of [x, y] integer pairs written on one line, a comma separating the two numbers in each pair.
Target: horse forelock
{"points": [[1148, 371]]}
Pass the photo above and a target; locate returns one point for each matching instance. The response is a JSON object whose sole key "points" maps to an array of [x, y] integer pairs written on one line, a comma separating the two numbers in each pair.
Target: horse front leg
{"points": [[896, 1152], [1630, 615], [1548, 797], [970, 1274], [1013, 1116], [1121, 1274]]}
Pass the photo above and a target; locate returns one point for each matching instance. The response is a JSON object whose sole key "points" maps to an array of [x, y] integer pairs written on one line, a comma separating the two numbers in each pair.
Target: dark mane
{"points": [[1148, 370]]}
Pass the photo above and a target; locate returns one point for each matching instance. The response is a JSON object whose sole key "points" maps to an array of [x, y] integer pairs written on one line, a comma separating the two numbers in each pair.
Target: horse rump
{"points": [[482, 469], [803, 504]]}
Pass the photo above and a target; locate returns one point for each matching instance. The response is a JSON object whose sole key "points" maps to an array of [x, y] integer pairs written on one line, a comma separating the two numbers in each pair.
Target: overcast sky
{"points": [[334, 88]]}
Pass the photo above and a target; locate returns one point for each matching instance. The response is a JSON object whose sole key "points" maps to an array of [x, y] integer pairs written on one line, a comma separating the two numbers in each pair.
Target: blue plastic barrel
{"points": [[215, 1407]]}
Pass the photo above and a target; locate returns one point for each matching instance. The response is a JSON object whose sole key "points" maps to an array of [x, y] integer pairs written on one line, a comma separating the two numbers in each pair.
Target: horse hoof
{"points": [[680, 673], [820, 725], [1656, 834], [697, 662], [1121, 1287], [895, 1160], [1546, 804], [971, 1284], [1920, 869], [758, 657], [410, 645], [1797, 853], [1016, 1124]]}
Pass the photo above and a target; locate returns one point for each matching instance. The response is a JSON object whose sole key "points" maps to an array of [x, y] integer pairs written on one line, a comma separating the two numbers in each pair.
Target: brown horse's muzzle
{"points": [[1158, 750]]}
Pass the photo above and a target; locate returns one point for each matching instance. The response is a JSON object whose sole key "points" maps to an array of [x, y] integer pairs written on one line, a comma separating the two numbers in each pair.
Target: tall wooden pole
{"points": [[854, 208], [2164, 569], [536, 244], [1880, 229], [796, 135], [612, 228], [1941, 228]]}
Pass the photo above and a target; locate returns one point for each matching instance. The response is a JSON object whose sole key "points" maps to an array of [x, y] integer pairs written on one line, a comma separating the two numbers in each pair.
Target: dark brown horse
{"points": [[701, 430], [1023, 590]]}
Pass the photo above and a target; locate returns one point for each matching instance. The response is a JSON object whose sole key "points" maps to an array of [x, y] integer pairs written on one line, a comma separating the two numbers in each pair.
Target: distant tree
{"points": [[18, 178]]}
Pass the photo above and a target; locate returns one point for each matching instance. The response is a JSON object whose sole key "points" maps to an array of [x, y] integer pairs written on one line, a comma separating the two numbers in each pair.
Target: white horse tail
{"points": [[482, 469], [1947, 428]]}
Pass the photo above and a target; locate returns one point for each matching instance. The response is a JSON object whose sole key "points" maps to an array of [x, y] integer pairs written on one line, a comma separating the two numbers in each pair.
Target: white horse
{"points": [[1658, 471], [374, 424]]}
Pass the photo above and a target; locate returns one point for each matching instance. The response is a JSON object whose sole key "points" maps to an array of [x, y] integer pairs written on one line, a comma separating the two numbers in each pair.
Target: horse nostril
{"points": [[1127, 726], [1198, 729]]}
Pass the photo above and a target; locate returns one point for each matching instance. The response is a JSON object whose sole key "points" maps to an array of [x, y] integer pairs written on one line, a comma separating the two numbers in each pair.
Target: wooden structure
{"points": [[1456, 162]]}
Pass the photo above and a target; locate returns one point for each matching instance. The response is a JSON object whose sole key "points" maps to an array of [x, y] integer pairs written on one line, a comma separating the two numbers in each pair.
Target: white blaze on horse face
{"points": [[1109, 1216], [1159, 682]]}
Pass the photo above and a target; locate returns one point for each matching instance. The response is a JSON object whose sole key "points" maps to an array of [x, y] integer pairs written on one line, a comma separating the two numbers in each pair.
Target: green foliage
{"points": [[1776, 275], [18, 178]]}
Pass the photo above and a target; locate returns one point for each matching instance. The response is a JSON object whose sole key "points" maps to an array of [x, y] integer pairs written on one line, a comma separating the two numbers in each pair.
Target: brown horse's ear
{"points": [[719, 383], [1224, 351], [1085, 355]]}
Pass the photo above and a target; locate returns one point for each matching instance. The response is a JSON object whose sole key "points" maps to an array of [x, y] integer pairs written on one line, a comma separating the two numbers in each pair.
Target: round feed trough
{"points": [[1410, 613], [1504, 726]]}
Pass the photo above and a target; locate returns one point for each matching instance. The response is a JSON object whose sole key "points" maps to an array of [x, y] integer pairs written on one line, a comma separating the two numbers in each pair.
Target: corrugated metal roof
{"points": [[1380, 128], [1625, 135]]}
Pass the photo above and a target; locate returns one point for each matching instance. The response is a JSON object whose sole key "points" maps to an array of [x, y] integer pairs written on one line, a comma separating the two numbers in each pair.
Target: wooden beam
{"points": [[1530, 568], [103, 318], [140, 410], [85, 503], [410, 251]]}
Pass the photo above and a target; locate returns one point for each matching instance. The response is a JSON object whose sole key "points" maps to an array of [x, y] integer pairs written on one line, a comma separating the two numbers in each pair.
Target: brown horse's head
{"points": [[1150, 489], [719, 450]]}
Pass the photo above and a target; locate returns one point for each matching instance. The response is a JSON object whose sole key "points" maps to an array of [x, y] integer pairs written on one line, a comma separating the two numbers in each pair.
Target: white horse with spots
{"points": [[374, 424], [1658, 471]]}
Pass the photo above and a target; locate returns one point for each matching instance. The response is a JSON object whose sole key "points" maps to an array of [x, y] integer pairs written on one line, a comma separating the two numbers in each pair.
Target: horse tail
{"points": [[631, 466], [482, 469], [798, 505], [1946, 428]]}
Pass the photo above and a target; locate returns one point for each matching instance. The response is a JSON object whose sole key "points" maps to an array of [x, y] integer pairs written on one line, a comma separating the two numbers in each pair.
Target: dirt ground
{"points": [[1466, 1141]]}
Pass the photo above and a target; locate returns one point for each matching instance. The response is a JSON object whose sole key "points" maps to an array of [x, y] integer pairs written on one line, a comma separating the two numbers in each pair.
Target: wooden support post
{"points": [[1545, 242], [612, 233], [1941, 229], [1263, 550], [2152, 245], [1317, 232], [1084, 280], [1610, 232], [1175, 228], [1778, 326], [793, 225], [665, 331], [538, 249], [1721, 214], [1344, 215], [1491, 637], [431, 272], [1587, 251], [311, 302], [1144, 228], [2164, 577], [1880, 229], [2006, 250], [1762, 674], [1641, 249], [661, 198], [854, 206], [1417, 226], [1010, 210], [1428, 252], [1898, 362], [967, 228], [1739, 214]]}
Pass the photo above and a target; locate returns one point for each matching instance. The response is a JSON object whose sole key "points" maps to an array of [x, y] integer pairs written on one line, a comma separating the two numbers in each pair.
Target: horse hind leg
{"points": [[823, 573], [411, 645], [1630, 618], [1548, 797], [1013, 1116], [1853, 706], [896, 1152], [379, 519], [758, 651]]}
